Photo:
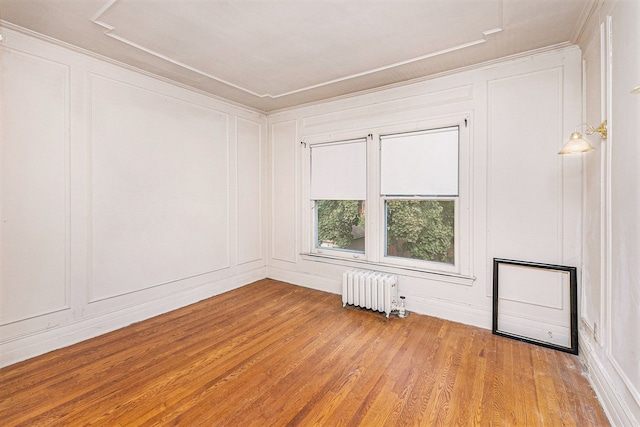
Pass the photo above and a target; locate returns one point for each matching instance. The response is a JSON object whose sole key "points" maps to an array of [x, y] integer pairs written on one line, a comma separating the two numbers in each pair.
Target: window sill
{"points": [[440, 276]]}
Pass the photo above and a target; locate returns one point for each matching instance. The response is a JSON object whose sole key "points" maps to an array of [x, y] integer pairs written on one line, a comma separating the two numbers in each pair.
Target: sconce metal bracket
{"points": [[602, 130]]}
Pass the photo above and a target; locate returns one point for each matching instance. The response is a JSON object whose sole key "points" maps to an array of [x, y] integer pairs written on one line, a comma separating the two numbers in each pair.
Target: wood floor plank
{"points": [[272, 353], [342, 394]]}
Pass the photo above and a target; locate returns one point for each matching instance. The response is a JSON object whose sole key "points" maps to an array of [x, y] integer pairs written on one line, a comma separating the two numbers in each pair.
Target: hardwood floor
{"points": [[274, 354]]}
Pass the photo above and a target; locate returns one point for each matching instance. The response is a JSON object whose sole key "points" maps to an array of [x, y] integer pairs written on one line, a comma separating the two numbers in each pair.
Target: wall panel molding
{"points": [[35, 251], [284, 199], [249, 190], [157, 164], [80, 110], [384, 113], [622, 228], [531, 184]]}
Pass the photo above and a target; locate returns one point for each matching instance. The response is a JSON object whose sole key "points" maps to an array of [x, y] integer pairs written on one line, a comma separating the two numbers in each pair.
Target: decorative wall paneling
{"points": [[34, 177], [249, 190], [519, 112], [283, 178], [527, 196], [525, 204], [610, 343], [594, 212], [159, 189], [624, 214], [122, 197], [386, 112]]}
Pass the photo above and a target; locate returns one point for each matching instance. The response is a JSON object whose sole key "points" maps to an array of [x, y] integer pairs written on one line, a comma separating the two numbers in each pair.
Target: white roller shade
{"points": [[420, 163], [339, 170]]}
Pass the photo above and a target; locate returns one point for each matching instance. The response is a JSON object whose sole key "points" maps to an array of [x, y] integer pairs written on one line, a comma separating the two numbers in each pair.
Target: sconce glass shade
{"points": [[576, 144]]}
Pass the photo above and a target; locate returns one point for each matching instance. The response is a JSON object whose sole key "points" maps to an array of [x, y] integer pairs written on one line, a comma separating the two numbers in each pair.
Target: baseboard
{"points": [[462, 313], [448, 310], [612, 403], [52, 339], [306, 280]]}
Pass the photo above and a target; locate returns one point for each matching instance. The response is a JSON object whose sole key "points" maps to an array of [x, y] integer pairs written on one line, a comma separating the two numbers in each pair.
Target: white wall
{"points": [[610, 309], [121, 197], [524, 199]]}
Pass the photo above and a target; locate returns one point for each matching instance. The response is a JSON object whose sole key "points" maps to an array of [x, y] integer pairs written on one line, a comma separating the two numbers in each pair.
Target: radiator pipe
{"points": [[401, 310]]}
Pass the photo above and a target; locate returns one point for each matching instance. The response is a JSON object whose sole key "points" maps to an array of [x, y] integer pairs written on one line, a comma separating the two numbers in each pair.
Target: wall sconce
{"points": [[636, 90], [576, 144]]}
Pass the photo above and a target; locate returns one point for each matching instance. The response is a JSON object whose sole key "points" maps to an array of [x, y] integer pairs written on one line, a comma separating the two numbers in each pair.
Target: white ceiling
{"points": [[273, 54]]}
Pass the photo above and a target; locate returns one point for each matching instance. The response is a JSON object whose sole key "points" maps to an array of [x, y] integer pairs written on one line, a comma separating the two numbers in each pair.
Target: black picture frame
{"points": [[573, 302]]}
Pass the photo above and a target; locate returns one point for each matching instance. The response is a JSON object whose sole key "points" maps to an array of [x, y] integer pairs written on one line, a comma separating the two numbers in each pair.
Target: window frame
{"points": [[418, 263], [427, 265], [312, 234], [374, 255], [315, 241]]}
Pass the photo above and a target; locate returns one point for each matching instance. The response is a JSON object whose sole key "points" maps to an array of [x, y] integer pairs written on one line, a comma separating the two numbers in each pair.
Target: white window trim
{"points": [[309, 221], [374, 254]]}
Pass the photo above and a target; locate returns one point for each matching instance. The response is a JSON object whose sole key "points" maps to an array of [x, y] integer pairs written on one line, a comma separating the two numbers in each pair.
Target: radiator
{"points": [[370, 289]]}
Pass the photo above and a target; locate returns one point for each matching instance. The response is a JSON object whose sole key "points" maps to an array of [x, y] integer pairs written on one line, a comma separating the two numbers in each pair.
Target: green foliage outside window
{"points": [[421, 229], [340, 222], [416, 229]]}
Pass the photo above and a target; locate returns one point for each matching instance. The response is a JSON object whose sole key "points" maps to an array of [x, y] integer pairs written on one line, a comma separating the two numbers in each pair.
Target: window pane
{"points": [[340, 224], [420, 163], [421, 229]]}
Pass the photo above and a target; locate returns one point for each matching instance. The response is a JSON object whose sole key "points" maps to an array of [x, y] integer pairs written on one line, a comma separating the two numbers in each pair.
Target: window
{"points": [[398, 198], [338, 191], [421, 229], [419, 188], [340, 224]]}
